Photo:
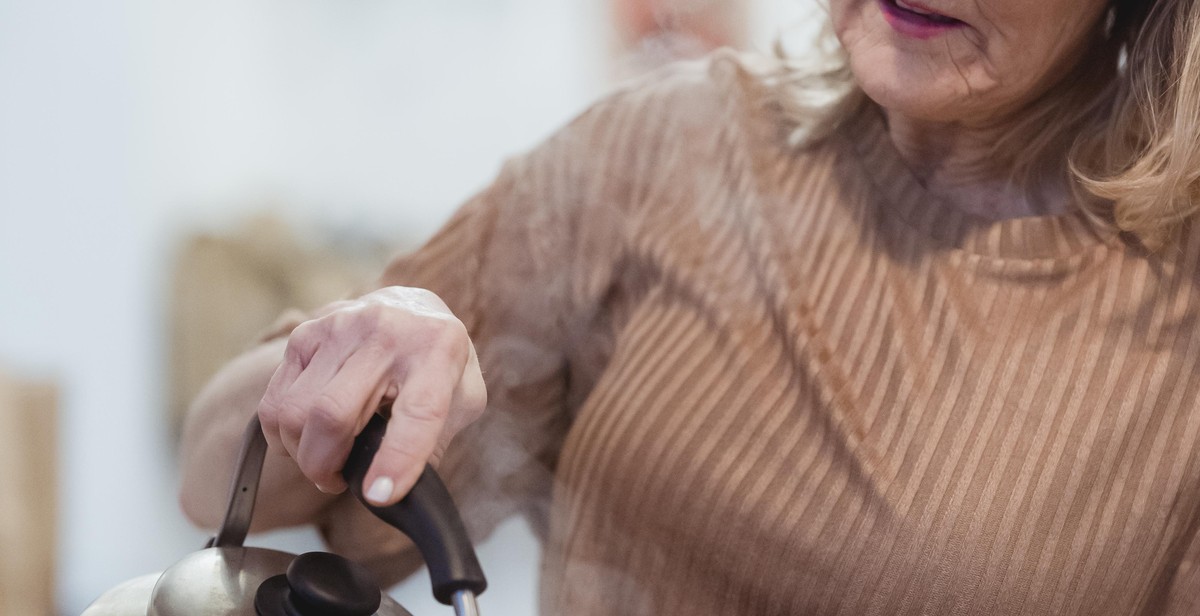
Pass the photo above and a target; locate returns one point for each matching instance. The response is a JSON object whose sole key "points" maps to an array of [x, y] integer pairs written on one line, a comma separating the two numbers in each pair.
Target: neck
{"points": [[959, 164], [962, 164]]}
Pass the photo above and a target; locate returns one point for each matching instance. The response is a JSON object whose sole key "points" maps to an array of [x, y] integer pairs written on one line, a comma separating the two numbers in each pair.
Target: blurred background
{"points": [[174, 174]]}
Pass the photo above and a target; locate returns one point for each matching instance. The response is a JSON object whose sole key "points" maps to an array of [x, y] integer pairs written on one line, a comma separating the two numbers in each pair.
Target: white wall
{"points": [[125, 123]]}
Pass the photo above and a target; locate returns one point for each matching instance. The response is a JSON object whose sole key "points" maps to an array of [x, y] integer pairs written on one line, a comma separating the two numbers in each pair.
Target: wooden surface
{"points": [[28, 486]]}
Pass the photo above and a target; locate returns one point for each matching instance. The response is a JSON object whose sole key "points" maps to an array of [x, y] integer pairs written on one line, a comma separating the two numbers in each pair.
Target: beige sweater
{"points": [[730, 377]]}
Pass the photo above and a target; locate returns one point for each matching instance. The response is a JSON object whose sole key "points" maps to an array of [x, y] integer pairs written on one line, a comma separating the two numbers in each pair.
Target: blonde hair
{"points": [[1124, 126]]}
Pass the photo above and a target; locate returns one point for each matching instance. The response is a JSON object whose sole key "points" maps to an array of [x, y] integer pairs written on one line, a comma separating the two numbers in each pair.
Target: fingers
{"points": [[395, 344], [470, 395], [307, 367], [269, 407], [418, 416], [342, 406]]}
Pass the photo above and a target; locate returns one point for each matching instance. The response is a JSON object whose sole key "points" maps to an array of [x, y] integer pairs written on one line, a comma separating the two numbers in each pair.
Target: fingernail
{"points": [[380, 491]]}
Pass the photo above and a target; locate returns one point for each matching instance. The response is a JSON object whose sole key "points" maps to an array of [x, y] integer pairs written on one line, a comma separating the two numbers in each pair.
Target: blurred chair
{"points": [[227, 289]]}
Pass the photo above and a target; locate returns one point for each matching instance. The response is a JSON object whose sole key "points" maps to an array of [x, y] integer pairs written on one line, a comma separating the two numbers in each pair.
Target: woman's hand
{"points": [[398, 345]]}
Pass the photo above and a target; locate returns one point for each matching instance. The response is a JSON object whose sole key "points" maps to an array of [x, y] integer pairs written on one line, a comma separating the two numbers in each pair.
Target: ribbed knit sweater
{"points": [[732, 376]]}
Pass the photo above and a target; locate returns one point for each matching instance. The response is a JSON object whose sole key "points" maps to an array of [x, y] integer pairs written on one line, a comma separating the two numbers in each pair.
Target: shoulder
{"points": [[707, 85], [656, 145], [718, 91], [690, 114]]}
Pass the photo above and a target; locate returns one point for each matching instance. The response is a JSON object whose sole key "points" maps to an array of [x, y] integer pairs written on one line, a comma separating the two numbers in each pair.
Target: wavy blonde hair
{"points": [[1124, 125]]}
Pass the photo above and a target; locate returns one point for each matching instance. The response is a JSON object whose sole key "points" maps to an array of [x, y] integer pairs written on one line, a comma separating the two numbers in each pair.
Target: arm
{"points": [[507, 266], [213, 434], [315, 390]]}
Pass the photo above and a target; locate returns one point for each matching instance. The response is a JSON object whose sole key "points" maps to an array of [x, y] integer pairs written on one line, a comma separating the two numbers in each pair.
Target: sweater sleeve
{"points": [[511, 265], [530, 265]]}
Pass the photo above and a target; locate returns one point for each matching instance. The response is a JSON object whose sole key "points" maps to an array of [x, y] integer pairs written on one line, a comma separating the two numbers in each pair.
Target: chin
{"points": [[928, 100], [915, 106]]}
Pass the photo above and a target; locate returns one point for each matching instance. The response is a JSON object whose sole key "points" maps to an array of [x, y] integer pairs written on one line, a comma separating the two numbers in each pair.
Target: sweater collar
{"points": [[900, 195]]}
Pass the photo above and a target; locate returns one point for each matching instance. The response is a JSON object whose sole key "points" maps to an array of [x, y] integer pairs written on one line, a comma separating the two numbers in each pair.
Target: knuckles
{"points": [[290, 416], [331, 414], [400, 325], [448, 336], [295, 413], [426, 406], [405, 320]]}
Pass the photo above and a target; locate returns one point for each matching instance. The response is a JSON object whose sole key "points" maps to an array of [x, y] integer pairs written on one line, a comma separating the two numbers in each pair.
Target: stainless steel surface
{"points": [[389, 607], [129, 599], [216, 581], [464, 603], [133, 598], [245, 488]]}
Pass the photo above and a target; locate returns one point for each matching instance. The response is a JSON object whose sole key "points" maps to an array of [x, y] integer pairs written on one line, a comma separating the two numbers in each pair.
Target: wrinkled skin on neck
{"points": [[947, 97]]}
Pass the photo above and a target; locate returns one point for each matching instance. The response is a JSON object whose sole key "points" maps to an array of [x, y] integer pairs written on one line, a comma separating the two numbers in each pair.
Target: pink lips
{"points": [[914, 24]]}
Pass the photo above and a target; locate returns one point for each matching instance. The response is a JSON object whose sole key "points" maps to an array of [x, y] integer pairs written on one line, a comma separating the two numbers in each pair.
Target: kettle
{"points": [[227, 578]]}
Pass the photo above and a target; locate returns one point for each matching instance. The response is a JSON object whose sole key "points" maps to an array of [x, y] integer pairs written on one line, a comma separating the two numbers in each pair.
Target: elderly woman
{"points": [[913, 331]]}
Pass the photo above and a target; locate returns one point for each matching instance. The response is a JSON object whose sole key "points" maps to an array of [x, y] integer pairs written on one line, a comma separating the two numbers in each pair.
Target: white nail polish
{"points": [[380, 491]]}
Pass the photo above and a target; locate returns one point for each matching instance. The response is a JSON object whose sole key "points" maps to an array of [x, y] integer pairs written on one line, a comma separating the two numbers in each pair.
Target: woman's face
{"points": [[968, 62]]}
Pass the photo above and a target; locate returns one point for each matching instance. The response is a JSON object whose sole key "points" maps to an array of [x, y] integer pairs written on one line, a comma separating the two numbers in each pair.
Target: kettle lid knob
{"points": [[318, 583]]}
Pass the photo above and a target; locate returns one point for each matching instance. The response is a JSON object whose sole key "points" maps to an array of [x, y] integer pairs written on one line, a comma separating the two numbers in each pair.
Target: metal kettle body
{"points": [[227, 578], [232, 575]]}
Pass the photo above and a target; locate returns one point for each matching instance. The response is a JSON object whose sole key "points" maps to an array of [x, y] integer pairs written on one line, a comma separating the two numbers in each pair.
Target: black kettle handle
{"points": [[427, 515]]}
